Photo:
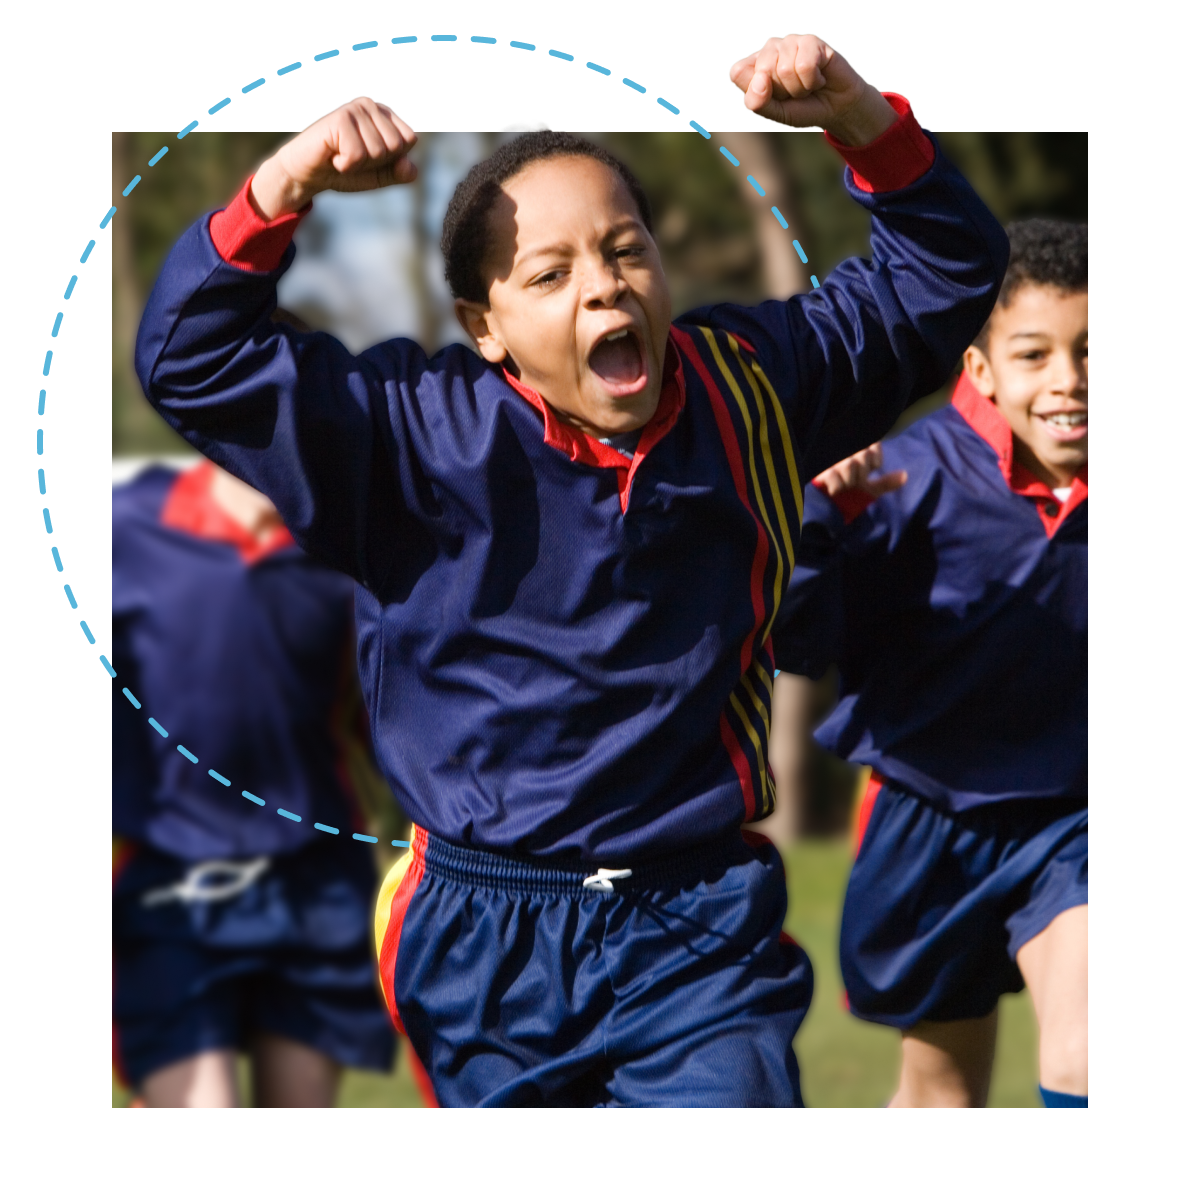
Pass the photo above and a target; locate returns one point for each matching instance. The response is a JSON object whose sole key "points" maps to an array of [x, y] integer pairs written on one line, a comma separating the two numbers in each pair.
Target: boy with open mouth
{"points": [[572, 546]]}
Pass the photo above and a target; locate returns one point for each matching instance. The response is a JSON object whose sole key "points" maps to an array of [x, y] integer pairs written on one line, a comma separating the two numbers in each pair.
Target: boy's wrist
{"points": [[274, 193], [900, 155], [244, 237], [868, 118]]}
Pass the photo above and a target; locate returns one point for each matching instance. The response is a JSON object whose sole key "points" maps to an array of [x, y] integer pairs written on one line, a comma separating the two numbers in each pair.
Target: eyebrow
{"points": [[564, 248]]}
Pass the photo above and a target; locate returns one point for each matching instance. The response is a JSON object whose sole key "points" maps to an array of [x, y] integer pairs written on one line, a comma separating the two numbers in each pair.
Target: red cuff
{"points": [[245, 238], [900, 155], [851, 503]]}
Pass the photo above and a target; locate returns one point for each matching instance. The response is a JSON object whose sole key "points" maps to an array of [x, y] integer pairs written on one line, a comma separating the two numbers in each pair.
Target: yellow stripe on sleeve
{"points": [[762, 507], [768, 457], [786, 436]]}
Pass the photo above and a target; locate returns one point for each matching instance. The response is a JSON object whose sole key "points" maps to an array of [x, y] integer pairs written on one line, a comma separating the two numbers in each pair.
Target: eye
{"points": [[634, 251], [548, 278]]}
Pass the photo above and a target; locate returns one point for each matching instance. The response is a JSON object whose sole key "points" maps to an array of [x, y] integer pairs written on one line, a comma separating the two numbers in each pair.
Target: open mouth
{"points": [[1066, 426], [619, 363]]}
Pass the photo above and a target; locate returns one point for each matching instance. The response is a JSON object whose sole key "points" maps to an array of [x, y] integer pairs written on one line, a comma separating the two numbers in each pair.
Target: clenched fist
{"points": [[799, 80], [361, 146]]}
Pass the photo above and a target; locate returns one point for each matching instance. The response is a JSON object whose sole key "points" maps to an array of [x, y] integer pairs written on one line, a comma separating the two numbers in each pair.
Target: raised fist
{"points": [[356, 148], [799, 80]]}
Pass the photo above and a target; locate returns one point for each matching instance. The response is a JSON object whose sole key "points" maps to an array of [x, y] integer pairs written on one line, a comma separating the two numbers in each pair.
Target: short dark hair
{"points": [[465, 229], [1043, 252]]}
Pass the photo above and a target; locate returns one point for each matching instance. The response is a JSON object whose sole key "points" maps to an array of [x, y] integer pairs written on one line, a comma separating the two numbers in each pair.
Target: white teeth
{"points": [[1067, 420], [612, 337]]}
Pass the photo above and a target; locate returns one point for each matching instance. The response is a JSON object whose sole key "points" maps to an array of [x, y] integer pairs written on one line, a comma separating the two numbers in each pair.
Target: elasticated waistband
{"points": [[528, 876]]}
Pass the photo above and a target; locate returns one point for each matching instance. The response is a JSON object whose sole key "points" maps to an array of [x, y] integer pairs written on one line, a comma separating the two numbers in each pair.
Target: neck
{"points": [[631, 423]]}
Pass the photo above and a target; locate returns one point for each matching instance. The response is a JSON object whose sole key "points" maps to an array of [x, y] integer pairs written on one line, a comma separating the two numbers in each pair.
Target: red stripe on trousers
{"points": [[866, 808], [391, 939]]}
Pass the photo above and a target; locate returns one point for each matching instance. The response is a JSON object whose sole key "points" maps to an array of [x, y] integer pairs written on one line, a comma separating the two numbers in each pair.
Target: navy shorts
{"points": [[939, 903], [518, 985], [274, 945]]}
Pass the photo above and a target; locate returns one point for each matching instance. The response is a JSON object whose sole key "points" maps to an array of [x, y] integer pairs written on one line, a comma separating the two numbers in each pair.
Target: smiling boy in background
{"points": [[951, 590], [573, 544]]}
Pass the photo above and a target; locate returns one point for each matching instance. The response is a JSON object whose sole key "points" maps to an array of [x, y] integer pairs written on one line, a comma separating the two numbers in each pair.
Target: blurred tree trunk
{"points": [[128, 416], [418, 267], [782, 272]]}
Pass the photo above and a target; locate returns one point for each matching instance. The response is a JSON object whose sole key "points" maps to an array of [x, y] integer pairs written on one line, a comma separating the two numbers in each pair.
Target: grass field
{"points": [[844, 1063]]}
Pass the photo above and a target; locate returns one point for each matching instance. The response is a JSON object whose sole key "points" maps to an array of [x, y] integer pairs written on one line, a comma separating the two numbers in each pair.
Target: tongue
{"points": [[617, 362]]}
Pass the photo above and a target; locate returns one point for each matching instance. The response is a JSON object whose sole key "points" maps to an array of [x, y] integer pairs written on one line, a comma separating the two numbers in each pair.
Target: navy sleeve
{"points": [[847, 358], [323, 432]]}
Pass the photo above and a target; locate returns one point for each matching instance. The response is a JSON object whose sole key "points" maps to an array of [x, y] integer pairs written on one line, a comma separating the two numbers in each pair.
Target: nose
{"points": [[603, 285], [1070, 375]]}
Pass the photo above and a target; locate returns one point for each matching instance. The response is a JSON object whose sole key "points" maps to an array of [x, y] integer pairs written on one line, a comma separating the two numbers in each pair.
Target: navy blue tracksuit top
{"points": [[956, 610], [563, 654], [243, 653]]}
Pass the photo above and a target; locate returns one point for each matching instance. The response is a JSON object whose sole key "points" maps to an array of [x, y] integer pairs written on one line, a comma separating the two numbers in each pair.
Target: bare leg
{"points": [[207, 1080], [288, 1074], [1055, 967], [946, 1064]]}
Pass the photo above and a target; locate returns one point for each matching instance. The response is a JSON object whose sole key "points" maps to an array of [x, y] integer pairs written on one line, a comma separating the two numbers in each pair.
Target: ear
{"points": [[476, 320], [979, 371]]}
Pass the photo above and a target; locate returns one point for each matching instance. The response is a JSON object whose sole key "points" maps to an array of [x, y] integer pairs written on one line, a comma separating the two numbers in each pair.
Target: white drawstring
{"points": [[199, 883], [600, 881]]}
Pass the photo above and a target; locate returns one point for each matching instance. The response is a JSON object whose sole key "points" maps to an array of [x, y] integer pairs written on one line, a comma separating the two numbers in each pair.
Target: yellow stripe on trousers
{"points": [[383, 905]]}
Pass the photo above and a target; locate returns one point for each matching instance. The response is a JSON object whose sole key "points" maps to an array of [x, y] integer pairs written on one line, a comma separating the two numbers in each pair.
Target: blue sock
{"points": [[1061, 1099]]}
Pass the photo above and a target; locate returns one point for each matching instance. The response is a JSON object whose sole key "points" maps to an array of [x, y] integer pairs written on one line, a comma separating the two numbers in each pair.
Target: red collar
{"points": [[985, 419], [582, 447], [189, 507]]}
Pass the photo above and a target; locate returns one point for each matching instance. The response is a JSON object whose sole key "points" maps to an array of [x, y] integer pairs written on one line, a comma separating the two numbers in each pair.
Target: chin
{"points": [[1074, 462]]}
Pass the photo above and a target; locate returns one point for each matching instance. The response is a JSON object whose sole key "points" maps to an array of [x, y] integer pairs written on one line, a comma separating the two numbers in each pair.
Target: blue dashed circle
{"points": [[127, 191]]}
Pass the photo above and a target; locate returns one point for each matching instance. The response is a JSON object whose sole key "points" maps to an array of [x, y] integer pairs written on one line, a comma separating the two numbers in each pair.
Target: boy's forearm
{"points": [[862, 123]]}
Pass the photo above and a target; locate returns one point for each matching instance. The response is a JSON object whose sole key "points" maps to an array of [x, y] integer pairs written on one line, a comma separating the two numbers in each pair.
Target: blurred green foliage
{"points": [[198, 174], [711, 230]]}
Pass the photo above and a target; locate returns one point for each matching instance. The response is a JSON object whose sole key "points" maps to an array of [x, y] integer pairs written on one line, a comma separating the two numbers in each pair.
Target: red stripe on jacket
{"points": [[741, 764], [734, 455]]}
